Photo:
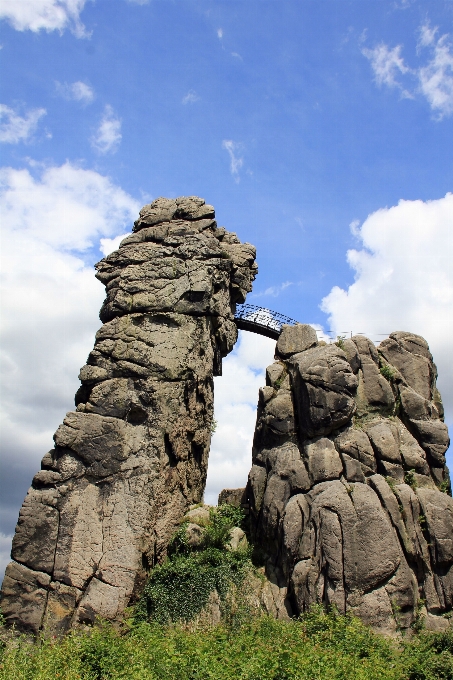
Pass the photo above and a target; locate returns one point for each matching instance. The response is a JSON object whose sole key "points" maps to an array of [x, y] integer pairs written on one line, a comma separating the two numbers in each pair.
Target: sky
{"points": [[321, 131]]}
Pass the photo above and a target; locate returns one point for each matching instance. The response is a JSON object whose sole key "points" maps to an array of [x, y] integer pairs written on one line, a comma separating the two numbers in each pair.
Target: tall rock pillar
{"points": [[132, 457]]}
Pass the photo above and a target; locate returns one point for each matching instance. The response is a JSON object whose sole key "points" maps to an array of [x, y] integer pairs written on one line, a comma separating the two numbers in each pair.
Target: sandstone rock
{"points": [[294, 339], [198, 515], [323, 460], [235, 497], [324, 385], [410, 354], [194, 534], [377, 545], [238, 539], [132, 459]]}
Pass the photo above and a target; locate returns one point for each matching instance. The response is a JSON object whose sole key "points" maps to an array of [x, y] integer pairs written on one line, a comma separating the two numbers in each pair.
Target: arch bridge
{"points": [[261, 320]]}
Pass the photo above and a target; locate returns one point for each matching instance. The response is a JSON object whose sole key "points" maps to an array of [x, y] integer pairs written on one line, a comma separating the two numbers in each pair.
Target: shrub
{"points": [[180, 588]]}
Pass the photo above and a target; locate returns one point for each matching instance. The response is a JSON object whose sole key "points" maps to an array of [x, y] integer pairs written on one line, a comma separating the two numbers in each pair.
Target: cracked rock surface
{"points": [[132, 457], [349, 494]]}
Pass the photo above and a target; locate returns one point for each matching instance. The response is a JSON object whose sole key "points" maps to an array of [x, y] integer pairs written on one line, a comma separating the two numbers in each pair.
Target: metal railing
{"points": [[266, 322], [261, 320]]}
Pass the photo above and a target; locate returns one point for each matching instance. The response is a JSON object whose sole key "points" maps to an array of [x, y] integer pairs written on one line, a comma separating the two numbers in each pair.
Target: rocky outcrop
{"points": [[350, 498], [132, 457]]}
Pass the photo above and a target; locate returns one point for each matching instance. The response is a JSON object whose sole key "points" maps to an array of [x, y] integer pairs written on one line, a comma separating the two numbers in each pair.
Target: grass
{"points": [[318, 646]]}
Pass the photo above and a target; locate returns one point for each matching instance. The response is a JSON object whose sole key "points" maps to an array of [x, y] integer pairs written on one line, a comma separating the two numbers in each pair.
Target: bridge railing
{"points": [[261, 320]]}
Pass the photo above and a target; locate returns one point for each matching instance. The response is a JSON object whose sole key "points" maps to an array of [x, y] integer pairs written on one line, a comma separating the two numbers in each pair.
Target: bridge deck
{"points": [[261, 320]]}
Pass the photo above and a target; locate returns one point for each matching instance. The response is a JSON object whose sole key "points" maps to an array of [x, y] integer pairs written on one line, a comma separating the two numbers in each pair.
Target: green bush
{"points": [[320, 645], [179, 589]]}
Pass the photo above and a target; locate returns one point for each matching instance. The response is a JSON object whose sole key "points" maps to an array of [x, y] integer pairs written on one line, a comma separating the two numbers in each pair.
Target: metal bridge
{"points": [[261, 320]]}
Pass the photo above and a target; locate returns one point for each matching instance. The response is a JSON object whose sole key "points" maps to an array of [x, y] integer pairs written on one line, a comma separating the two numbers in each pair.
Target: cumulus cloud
{"points": [[235, 400], [48, 15], [403, 281], [15, 128], [236, 161], [433, 79], [108, 135], [52, 222], [78, 91], [190, 98]]}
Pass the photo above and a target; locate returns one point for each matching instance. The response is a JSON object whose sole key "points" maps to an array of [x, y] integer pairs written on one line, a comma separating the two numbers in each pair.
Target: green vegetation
{"points": [[340, 341], [164, 638], [179, 589], [444, 486], [410, 479], [321, 646], [388, 372]]}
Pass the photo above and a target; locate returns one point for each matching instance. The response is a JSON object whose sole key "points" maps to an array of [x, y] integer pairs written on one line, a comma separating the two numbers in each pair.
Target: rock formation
{"points": [[132, 457], [349, 492]]}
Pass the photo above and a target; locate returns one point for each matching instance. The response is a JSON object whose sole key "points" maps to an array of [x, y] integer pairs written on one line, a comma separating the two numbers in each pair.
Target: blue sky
{"points": [[295, 119]]}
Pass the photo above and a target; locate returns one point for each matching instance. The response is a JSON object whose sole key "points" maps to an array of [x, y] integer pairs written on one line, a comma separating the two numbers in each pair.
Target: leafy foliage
{"points": [[180, 588], [388, 372], [325, 646]]}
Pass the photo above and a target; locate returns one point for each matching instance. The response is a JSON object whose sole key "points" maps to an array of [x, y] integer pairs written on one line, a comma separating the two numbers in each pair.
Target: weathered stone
{"points": [[324, 385], [294, 339], [235, 497], [194, 535], [198, 515], [433, 437], [238, 539], [37, 525], [352, 355], [24, 598], [132, 459], [274, 372], [323, 460], [355, 443], [376, 390], [409, 353], [364, 542]]}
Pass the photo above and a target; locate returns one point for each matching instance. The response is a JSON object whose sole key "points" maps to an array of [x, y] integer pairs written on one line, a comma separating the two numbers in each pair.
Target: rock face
{"points": [[132, 457], [350, 498]]}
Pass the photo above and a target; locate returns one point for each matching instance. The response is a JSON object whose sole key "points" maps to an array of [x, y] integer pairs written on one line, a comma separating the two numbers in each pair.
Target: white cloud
{"points": [[48, 15], [220, 33], [50, 305], [434, 78], [78, 91], [403, 281], [236, 161], [190, 97], [273, 291], [5, 550], [427, 35], [108, 245], [235, 400], [15, 128], [386, 63], [108, 135]]}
